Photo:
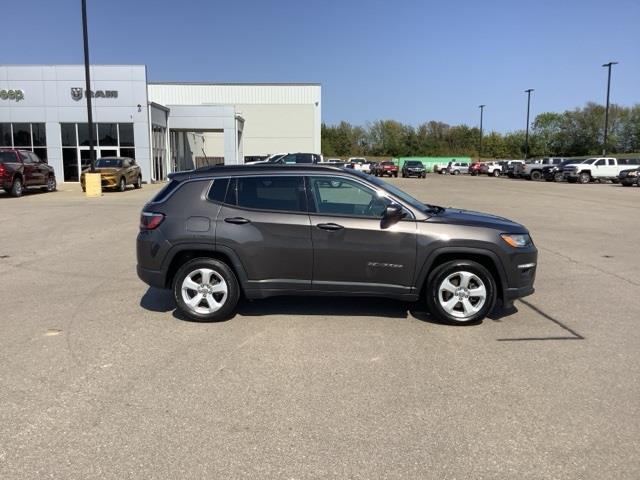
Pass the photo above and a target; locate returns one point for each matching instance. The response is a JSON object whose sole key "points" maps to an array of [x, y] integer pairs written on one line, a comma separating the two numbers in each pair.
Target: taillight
{"points": [[150, 221], [2, 170]]}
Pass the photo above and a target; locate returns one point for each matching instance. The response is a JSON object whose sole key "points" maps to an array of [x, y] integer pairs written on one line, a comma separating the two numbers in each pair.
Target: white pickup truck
{"points": [[598, 168], [361, 164]]}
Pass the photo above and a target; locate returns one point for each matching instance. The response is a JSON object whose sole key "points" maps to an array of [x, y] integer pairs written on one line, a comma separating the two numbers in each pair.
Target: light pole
{"points": [[481, 107], [606, 112], [87, 90], [526, 138]]}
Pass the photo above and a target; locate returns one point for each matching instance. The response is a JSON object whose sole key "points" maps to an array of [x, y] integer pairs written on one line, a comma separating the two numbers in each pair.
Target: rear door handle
{"points": [[237, 220], [330, 226]]}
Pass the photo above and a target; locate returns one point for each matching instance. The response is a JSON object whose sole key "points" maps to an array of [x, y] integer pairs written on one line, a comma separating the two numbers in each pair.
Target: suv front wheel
{"points": [[460, 292], [206, 290]]}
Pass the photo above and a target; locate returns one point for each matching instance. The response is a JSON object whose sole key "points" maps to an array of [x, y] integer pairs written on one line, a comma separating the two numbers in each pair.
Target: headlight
{"points": [[633, 173], [517, 240]]}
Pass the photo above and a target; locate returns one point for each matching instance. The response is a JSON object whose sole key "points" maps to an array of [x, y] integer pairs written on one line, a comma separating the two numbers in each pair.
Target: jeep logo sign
{"points": [[78, 93], [16, 95]]}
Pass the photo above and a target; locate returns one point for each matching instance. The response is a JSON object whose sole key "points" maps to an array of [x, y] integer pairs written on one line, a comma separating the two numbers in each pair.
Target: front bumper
{"points": [[520, 274], [106, 181]]}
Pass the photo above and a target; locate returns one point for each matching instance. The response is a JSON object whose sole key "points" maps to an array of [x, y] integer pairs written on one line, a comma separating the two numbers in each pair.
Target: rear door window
{"points": [[285, 193]]}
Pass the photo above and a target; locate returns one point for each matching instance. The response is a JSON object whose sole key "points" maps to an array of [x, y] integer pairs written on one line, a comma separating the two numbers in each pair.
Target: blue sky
{"points": [[410, 61]]}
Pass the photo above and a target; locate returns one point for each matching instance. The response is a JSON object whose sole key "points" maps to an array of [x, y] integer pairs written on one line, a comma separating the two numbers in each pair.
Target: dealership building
{"points": [[166, 127]]}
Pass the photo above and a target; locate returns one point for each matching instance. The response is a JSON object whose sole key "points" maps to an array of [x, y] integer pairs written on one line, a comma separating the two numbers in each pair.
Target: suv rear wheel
{"points": [[536, 175], [460, 292], [206, 290], [16, 187]]}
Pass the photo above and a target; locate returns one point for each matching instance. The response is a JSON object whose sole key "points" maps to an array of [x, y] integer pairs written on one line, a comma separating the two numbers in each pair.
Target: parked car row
{"points": [[558, 169]]}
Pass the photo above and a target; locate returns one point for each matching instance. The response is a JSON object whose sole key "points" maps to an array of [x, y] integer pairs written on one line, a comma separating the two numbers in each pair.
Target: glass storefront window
{"points": [[70, 164], [41, 153], [83, 135], [68, 134], [126, 135], [128, 152], [108, 134], [5, 134], [22, 135], [39, 134]]}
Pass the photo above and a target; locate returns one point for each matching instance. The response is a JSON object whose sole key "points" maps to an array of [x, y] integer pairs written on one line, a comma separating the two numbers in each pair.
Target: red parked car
{"points": [[475, 168], [386, 168], [22, 169]]}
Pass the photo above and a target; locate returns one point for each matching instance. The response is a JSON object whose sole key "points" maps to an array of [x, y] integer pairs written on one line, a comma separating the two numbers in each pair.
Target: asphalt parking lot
{"points": [[100, 379]]}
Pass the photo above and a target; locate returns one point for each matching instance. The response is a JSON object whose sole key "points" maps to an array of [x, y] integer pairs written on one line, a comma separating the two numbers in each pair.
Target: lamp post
{"points": [[87, 91], [526, 138], [481, 107], [606, 112]]}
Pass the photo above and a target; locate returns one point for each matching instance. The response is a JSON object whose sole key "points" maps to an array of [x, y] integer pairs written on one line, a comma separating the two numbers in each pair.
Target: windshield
{"points": [[588, 161], [276, 158], [414, 164], [386, 163], [109, 163]]}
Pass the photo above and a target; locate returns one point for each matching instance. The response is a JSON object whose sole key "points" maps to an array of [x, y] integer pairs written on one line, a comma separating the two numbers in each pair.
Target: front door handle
{"points": [[330, 226], [237, 220]]}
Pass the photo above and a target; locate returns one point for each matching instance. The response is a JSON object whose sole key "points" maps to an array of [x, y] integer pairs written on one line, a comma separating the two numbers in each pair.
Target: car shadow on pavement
{"points": [[157, 300]]}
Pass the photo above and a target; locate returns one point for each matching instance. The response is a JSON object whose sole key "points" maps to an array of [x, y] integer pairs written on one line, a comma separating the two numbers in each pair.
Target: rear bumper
{"points": [[153, 278]]}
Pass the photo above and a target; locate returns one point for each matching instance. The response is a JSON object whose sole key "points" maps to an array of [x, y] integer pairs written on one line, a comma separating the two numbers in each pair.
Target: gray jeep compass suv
{"points": [[215, 233]]}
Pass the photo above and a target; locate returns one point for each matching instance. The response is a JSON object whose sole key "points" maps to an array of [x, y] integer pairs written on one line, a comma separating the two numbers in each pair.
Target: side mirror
{"points": [[392, 215]]}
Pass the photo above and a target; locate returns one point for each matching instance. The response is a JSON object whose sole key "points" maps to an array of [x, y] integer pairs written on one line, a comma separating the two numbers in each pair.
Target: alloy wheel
{"points": [[204, 291], [462, 294]]}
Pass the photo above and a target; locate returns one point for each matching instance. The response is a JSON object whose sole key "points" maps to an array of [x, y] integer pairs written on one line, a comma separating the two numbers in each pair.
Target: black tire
{"points": [[138, 184], [456, 172], [558, 177], [222, 269], [584, 177], [52, 185], [122, 185], [395, 175], [536, 175], [437, 277], [496, 173], [17, 189]]}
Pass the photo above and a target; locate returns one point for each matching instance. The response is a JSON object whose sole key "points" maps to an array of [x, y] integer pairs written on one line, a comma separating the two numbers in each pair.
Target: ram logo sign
{"points": [[78, 93]]}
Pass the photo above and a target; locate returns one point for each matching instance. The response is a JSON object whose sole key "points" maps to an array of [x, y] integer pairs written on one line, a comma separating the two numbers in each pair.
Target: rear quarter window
{"points": [[8, 157], [218, 190], [163, 194]]}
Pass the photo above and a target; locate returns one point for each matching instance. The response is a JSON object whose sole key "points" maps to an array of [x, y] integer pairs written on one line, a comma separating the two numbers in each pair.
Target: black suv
{"points": [[216, 233], [414, 168]]}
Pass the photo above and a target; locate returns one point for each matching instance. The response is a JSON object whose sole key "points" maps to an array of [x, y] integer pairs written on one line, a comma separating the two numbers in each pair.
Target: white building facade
{"points": [[166, 127]]}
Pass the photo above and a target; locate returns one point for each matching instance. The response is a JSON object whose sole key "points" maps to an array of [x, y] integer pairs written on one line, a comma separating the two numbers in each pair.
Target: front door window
{"points": [[341, 196]]}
